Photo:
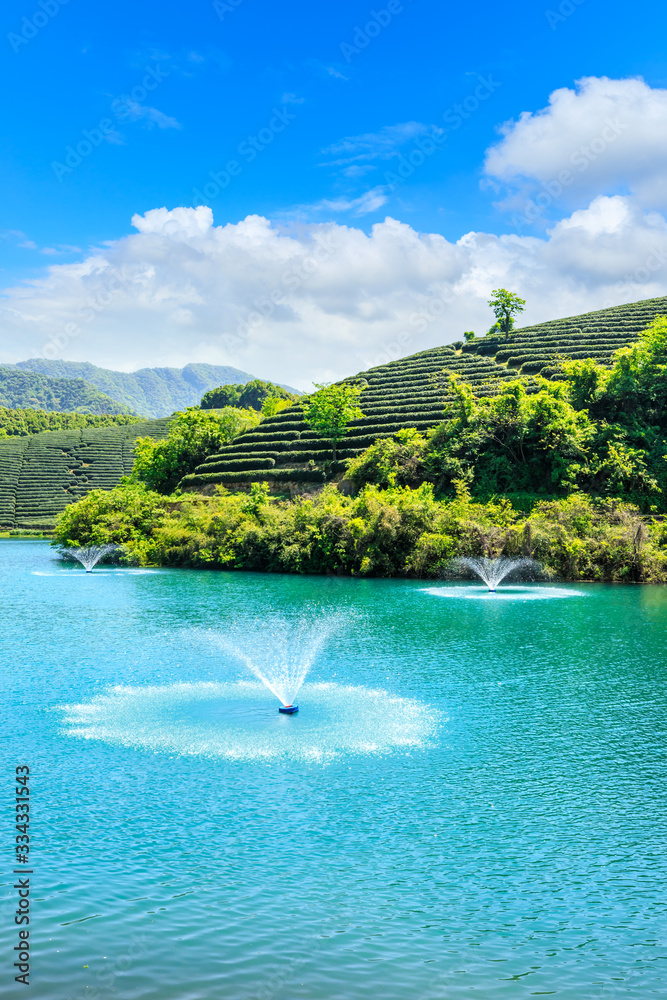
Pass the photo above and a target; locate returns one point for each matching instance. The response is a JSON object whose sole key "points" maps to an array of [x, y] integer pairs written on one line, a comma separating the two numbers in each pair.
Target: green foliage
{"points": [[639, 375], [193, 436], [329, 410], [393, 461], [26, 390], [29, 421], [511, 442], [599, 431], [506, 305], [273, 405], [127, 515], [252, 395], [468, 336], [394, 532]]}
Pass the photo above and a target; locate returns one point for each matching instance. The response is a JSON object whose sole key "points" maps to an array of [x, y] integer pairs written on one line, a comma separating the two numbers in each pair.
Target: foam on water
{"points": [[239, 721], [68, 572], [533, 593]]}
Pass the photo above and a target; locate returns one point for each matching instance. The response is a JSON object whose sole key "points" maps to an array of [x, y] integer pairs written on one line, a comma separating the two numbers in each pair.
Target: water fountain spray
{"points": [[281, 651], [89, 555], [494, 571]]}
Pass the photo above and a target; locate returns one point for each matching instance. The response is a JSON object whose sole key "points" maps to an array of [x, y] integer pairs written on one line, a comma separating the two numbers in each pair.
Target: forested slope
{"points": [[23, 389], [151, 392]]}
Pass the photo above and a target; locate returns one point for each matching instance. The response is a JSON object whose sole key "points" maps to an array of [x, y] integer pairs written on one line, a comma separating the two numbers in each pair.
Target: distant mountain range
{"points": [[150, 392], [24, 390]]}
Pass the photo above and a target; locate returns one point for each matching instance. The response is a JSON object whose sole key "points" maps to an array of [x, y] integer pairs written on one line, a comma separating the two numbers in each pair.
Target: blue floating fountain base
{"points": [[289, 709]]}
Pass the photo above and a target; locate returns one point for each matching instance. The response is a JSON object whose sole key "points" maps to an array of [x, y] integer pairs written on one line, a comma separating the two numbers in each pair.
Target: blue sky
{"points": [[159, 96]]}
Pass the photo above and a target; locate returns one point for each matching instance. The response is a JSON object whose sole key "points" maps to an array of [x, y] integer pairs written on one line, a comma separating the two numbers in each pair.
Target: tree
{"points": [[506, 305], [127, 513], [329, 410], [273, 405], [469, 335], [193, 436], [252, 394]]}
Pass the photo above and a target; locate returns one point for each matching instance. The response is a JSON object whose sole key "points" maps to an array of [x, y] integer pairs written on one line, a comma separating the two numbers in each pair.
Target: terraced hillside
{"points": [[536, 349], [285, 452], [41, 473], [400, 394]]}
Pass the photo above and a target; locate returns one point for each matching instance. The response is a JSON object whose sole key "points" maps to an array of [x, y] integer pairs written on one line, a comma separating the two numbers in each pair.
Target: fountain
{"points": [[89, 555], [494, 571], [280, 652]]}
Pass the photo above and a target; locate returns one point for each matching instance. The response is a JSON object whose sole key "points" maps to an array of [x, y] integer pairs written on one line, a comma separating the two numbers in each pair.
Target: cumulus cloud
{"points": [[321, 302], [603, 136], [326, 300]]}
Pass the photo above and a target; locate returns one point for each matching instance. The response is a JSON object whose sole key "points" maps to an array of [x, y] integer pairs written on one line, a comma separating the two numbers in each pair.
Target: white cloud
{"points": [[607, 136], [127, 109], [382, 145], [356, 156], [369, 201], [332, 71], [322, 302]]}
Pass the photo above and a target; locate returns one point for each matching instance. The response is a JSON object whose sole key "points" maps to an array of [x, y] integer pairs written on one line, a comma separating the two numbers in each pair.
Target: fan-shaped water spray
{"points": [[89, 555], [280, 651], [494, 571]]}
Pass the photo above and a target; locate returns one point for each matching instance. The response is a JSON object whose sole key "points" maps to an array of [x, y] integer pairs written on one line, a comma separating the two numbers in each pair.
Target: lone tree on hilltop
{"points": [[506, 305], [329, 410]]}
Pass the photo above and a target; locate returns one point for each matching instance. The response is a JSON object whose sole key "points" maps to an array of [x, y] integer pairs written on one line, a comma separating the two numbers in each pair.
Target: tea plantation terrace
{"points": [[405, 393], [284, 451], [534, 350], [40, 474]]}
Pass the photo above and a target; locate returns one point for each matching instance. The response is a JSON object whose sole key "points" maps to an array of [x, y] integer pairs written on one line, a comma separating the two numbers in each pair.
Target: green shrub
{"points": [[397, 531], [193, 436]]}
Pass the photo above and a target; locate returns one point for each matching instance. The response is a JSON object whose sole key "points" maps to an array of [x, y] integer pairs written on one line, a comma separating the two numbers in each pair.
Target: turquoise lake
{"points": [[470, 802]]}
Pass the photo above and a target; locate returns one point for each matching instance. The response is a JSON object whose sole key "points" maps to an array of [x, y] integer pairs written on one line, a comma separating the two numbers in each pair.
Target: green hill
{"points": [[40, 474], [24, 389], [536, 349], [151, 392], [284, 450]]}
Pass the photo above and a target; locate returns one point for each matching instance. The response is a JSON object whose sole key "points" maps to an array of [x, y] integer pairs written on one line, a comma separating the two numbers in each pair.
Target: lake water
{"points": [[470, 802]]}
